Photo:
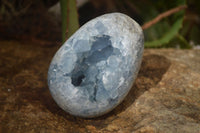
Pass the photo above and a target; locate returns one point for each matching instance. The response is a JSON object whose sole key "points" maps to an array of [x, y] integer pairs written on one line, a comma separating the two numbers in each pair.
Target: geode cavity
{"points": [[95, 68]]}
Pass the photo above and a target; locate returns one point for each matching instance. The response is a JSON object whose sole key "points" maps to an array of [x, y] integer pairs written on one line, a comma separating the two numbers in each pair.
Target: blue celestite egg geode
{"points": [[95, 68]]}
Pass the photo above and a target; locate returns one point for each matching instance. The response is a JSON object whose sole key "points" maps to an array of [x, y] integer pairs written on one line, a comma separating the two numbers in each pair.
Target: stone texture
{"points": [[164, 98], [96, 67]]}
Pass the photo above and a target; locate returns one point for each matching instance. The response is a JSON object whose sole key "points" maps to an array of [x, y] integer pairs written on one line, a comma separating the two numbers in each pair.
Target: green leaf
{"points": [[168, 28], [168, 36], [164, 31], [69, 18], [183, 41]]}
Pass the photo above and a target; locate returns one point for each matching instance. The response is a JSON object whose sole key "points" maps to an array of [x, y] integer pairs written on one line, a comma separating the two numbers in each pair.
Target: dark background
{"points": [[31, 20]]}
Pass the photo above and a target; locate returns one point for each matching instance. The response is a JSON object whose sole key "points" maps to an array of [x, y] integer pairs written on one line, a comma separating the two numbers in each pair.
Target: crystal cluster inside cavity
{"points": [[94, 69]]}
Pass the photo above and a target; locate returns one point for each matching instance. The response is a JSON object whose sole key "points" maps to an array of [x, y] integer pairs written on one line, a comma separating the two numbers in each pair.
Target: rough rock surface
{"points": [[96, 67], [165, 98]]}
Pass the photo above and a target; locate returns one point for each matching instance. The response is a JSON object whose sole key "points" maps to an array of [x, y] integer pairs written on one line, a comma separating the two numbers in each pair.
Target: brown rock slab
{"points": [[164, 98]]}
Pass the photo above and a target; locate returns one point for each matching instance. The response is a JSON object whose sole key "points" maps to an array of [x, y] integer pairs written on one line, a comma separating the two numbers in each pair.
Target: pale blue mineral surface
{"points": [[96, 67]]}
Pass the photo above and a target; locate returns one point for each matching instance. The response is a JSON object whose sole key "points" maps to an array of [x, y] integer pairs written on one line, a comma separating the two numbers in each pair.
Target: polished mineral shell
{"points": [[96, 67]]}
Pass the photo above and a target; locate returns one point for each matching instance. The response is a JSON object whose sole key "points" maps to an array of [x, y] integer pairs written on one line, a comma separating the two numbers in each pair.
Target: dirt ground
{"points": [[164, 98]]}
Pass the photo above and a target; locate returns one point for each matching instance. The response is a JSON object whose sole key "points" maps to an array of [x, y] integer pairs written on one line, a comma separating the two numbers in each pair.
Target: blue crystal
{"points": [[95, 68]]}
